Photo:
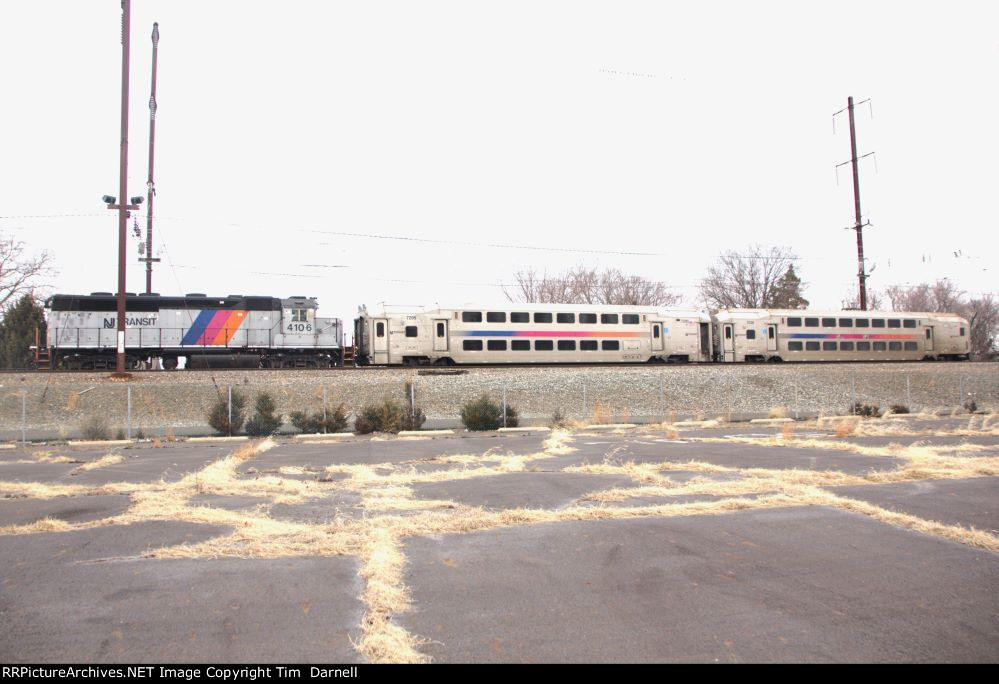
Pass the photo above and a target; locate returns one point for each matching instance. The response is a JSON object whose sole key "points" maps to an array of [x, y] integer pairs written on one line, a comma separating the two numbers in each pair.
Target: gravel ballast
{"points": [[57, 405]]}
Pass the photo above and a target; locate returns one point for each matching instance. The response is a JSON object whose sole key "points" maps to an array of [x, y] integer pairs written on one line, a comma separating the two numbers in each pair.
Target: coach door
{"points": [[728, 342], [440, 335], [381, 345], [657, 337], [929, 338], [771, 338]]}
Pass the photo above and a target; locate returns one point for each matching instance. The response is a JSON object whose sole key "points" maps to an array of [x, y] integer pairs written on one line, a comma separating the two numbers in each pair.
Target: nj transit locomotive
{"points": [[265, 332], [559, 333]]}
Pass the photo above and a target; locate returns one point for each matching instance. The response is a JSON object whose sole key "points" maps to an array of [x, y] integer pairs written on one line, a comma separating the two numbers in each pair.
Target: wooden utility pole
{"points": [[126, 18], [858, 222]]}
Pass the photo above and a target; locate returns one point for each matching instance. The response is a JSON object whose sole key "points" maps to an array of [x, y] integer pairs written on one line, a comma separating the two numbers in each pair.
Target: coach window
{"points": [[828, 346], [828, 322], [543, 345], [567, 345], [496, 345], [962, 332], [588, 345], [520, 345], [608, 319], [520, 317], [610, 345], [471, 316], [411, 331], [863, 346], [630, 319], [846, 322], [587, 318], [380, 329], [472, 345], [880, 346], [846, 346], [495, 317], [794, 346], [728, 332], [894, 346], [565, 318], [911, 346], [655, 331], [894, 323], [908, 323], [440, 330], [794, 322], [750, 334], [862, 323], [877, 322], [542, 318], [811, 322], [811, 346]]}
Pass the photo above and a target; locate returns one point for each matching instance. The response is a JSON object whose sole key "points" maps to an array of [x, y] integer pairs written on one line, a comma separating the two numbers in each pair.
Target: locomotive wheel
{"points": [[169, 363]]}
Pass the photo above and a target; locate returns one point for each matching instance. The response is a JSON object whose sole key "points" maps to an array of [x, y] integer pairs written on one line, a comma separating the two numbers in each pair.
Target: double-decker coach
{"points": [[532, 333], [802, 335]]}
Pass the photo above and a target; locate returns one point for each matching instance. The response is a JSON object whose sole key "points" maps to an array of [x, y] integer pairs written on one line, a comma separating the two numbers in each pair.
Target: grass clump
{"points": [[385, 416], [559, 421], [898, 409], [218, 414], [333, 421], [264, 422], [485, 414]]}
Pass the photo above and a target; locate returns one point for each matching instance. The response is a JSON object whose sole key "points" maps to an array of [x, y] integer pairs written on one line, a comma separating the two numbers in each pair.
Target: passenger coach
{"points": [[532, 333], [797, 335]]}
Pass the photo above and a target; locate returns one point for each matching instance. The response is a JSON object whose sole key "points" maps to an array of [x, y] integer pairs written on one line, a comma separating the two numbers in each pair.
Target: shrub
{"points": [[120, 434], [263, 422], [970, 405], [218, 415], [898, 409], [559, 421], [866, 410], [96, 427], [412, 419], [386, 416], [335, 421], [485, 414]]}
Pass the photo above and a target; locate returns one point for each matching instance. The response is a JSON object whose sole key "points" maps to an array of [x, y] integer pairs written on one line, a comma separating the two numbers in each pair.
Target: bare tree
{"points": [[582, 285], [852, 301], [983, 318], [20, 272], [750, 279], [940, 297]]}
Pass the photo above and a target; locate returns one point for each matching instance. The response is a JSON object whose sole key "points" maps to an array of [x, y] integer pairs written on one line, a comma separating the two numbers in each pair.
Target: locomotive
{"points": [[236, 330]]}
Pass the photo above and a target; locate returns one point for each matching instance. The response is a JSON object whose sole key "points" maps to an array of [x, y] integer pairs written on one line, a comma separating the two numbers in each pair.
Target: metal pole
{"points": [[24, 418], [129, 423], [730, 400], [861, 275], [504, 405], [908, 394], [412, 402], [662, 401], [324, 409], [123, 200], [230, 410], [796, 401], [584, 400], [150, 186], [853, 394], [960, 393]]}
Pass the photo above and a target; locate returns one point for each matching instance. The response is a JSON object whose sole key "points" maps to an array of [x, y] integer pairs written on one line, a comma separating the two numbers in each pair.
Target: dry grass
{"points": [[777, 412], [787, 430], [601, 415], [104, 461], [43, 525]]}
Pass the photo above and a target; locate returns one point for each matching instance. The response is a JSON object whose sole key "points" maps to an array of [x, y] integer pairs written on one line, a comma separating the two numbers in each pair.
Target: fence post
{"points": [[584, 399], [730, 399], [908, 393], [230, 410], [662, 400], [504, 405], [24, 418], [853, 394], [324, 409], [128, 434], [960, 392], [412, 401], [796, 401]]}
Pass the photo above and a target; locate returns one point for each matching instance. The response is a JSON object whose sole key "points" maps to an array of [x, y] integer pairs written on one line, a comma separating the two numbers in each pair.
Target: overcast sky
{"points": [[573, 132]]}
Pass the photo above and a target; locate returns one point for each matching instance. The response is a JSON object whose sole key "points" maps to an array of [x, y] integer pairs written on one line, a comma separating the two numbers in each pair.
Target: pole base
{"points": [[120, 377]]}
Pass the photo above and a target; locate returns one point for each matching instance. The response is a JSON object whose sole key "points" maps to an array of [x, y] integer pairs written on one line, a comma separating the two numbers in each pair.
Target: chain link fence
{"points": [[74, 406]]}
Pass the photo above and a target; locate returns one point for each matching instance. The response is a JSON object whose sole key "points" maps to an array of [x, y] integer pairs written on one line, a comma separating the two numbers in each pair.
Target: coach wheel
{"points": [[446, 361], [169, 363]]}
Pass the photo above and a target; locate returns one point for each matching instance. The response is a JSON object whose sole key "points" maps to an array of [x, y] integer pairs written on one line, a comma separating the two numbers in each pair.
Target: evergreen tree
{"points": [[787, 294], [17, 332]]}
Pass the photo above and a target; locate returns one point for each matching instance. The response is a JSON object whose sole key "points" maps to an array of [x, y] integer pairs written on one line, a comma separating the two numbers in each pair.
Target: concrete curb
{"points": [[241, 438], [771, 421], [424, 433], [99, 442], [609, 426], [692, 423], [8, 446], [540, 428], [320, 435]]}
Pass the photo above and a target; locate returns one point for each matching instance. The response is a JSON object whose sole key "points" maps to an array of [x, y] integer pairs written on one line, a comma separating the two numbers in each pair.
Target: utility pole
{"points": [[150, 187], [858, 223]]}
